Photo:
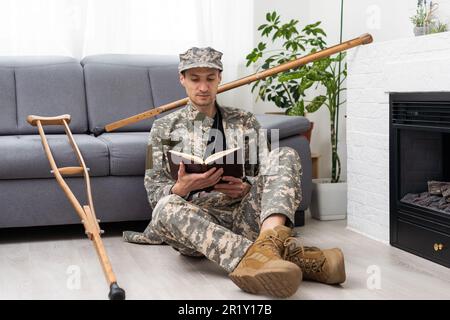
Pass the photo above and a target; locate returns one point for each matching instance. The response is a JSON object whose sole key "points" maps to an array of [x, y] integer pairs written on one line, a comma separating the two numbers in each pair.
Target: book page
{"points": [[187, 156], [219, 155]]}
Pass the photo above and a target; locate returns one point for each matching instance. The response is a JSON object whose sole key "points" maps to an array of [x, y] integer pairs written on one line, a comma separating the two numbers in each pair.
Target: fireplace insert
{"points": [[420, 174]]}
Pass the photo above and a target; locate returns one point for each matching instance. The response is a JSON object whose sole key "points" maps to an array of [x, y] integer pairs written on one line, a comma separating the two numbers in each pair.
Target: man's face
{"points": [[201, 85]]}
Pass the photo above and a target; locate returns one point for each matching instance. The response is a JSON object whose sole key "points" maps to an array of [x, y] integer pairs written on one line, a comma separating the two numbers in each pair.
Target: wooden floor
{"points": [[43, 263]]}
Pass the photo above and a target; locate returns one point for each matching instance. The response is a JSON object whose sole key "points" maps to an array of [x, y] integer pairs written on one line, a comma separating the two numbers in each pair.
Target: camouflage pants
{"points": [[222, 228]]}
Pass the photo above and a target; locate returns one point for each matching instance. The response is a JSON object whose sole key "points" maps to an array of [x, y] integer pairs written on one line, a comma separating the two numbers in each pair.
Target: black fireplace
{"points": [[420, 174]]}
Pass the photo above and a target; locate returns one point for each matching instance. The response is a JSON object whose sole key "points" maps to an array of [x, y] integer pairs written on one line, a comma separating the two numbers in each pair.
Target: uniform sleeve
{"points": [[256, 147], [158, 182]]}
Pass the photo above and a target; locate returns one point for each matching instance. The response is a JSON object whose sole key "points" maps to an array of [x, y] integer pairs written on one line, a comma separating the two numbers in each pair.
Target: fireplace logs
{"points": [[446, 192], [437, 197], [439, 188]]}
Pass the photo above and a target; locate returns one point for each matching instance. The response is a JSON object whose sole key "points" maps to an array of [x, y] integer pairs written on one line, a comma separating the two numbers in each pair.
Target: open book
{"points": [[227, 159]]}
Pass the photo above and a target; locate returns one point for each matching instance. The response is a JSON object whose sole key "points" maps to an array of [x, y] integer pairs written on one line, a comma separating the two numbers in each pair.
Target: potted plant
{"points": [[438, 27], [419, 19], [425, 21], [288, 90], [284, 91]]}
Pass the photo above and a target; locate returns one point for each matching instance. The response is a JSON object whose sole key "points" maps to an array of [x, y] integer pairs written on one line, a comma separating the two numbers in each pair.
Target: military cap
{"points": [[200, 57]]}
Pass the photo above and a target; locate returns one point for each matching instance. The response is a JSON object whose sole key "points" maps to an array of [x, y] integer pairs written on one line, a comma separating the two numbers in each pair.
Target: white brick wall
{"points": [[405, 65]]}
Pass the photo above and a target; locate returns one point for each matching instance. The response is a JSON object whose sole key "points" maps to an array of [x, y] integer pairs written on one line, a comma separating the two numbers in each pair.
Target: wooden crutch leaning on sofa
{"points": [[361, 40], [85, 212]]}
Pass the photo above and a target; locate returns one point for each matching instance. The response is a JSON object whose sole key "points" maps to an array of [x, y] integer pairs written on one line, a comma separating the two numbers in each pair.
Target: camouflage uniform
{"points": [[213, 224]]}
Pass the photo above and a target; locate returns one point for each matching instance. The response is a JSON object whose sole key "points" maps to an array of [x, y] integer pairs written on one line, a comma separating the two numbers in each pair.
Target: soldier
{"points": [[244, 225]]}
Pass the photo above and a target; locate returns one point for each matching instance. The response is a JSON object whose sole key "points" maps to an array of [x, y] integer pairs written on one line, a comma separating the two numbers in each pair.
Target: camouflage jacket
{"points": [[187, 130]]}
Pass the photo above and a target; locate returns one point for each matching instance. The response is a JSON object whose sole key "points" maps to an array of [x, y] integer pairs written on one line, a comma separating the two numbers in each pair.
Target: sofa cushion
{"points": [[288, 125], [23, 157], [121, 86], [127, 151], [46, 86], [166, 86], [117, 92], [8, 119]]}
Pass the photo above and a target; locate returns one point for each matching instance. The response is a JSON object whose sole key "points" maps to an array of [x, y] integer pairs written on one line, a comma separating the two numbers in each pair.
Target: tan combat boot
{"points": [[326, 266], [263, 271]]}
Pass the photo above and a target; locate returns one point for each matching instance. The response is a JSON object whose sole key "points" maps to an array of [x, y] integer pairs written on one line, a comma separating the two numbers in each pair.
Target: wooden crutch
{"points": [[86, 212], [361, 40]]}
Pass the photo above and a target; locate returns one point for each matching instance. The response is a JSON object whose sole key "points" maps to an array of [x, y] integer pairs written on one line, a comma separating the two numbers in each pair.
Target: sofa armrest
{"points": [[287, 125]]}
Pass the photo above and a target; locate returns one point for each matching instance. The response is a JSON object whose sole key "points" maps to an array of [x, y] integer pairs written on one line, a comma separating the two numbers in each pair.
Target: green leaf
{"points": [[262, 27], [322, 64], [267, 31], [313, 25], [316, 103], [287, 34], [305, 84], [268, 16], [313, 75], [320, 31], [274, 15], [339, 57], [290, 76], [277, 34], [255, 85], [261, 46], [297, 110], [265, 66], [261, 92]]}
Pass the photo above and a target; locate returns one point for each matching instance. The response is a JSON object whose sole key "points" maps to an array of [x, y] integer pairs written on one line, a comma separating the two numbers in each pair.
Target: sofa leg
{"points": [[299, 218]]}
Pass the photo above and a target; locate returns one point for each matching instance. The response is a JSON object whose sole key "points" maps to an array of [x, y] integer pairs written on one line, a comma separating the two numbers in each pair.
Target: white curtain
{"points": [[79, 28]]}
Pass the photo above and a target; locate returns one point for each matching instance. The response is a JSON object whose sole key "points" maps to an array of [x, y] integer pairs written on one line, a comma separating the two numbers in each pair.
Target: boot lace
{"points": [[295, 252], [272, 242]]}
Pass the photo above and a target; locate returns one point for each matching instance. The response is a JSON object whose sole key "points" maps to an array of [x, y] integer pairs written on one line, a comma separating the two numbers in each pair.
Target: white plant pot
{"points": [[420, 31], [328, 200]]}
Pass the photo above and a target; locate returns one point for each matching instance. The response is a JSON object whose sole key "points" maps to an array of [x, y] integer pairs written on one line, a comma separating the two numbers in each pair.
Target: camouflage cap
{"points": [[200, 57]]}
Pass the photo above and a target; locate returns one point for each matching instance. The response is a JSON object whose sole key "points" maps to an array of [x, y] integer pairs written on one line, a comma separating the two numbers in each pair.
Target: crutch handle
{"points": [[58, 120]]}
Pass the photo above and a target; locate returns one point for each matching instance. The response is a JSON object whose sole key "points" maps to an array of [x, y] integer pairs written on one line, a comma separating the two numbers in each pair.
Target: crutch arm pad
{"points": [[366, 38], [58, 120], [98, 131]]}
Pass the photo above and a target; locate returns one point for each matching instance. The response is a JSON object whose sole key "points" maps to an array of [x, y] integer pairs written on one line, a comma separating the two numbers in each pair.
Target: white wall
{"points": [[384, 19]]}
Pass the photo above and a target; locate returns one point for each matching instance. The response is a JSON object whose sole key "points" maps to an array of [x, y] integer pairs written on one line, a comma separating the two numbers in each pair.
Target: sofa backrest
{"points": [[45, 86], [119, 86]]}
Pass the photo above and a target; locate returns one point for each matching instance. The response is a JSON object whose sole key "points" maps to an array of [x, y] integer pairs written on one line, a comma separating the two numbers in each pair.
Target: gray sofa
{"points": [[95, 91]]}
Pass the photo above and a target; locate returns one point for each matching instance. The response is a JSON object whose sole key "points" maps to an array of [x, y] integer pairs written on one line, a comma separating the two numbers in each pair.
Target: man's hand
{"points": [[188, 182], [235, 188]]}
